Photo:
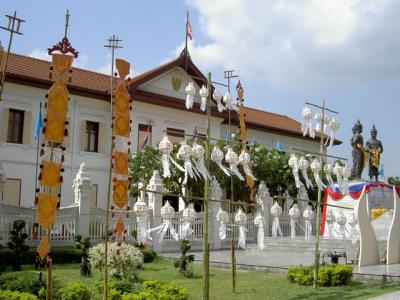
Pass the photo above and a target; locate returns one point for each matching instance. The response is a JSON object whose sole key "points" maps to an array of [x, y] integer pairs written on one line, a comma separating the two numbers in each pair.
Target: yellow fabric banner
{"points": [[120, 193], [50, 174], [46, 210], [43, 248]]}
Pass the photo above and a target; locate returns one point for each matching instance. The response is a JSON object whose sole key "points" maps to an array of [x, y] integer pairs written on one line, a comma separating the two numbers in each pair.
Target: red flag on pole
{"points": [[188, 28]]}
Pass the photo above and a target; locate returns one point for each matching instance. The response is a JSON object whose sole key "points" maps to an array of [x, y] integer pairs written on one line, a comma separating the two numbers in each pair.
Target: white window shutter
{"points": [[102, 138], [27, 131], [4, 125], [83, 135]]}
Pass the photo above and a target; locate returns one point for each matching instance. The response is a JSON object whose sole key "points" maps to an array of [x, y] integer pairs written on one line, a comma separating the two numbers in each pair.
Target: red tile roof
{"points": [[32, 71]]}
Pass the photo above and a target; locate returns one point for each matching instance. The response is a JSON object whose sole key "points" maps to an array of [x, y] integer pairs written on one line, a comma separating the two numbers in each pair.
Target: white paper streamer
{"points": [[316, 169], [245, 160], [276, 212], [190, 91], [217, 155], [203, 94], [330, 219], [218, 97], [165, 146], [294, 165], [345, 183], [188, 216], [318, 117], [303, 166], [353, 221], [259, 222], [228, 102], [341, 220], [338, 171], [334, 125], [142, 234], [184, 153], [222, 219], [232, 159], [241, 220], [294, 214], [306, 125]]}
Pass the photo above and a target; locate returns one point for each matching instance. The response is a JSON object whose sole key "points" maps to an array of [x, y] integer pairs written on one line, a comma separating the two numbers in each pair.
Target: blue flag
{"points": [[227, 137], [278, 146], [382, 171], [39, 124]]}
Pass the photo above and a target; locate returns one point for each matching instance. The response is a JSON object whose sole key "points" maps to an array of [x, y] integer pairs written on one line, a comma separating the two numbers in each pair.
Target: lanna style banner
{"points": [[54, 131], [121, 129]]}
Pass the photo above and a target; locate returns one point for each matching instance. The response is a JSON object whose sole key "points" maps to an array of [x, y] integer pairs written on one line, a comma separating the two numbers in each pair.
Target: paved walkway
{"points": [[392, 296]]}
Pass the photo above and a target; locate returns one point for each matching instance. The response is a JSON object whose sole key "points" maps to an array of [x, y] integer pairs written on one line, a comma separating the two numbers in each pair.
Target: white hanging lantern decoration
{"points": [[338, 171], [259, 222], [330, 220], [262, 194], [166, 147], [184, 153], [345, 184], [188, 216], [303, 166], [198, 154], [328, 169], [294, 165], [316, 169], [245, 160], [341, 220], [203, 97], [140, 208], [217, 155], [190, 91], [228, 102], [318, 127], [353, 221], [241, 220], [334, 125], [167, 213], [294, 214], [306, 125], [276, 212], [222, 219], [308, 216], [217, 98], [232, 159]]}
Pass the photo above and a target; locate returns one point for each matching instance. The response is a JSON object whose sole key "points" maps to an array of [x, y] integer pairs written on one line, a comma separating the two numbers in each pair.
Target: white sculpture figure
{"points": [[245, 160], [217, 155], [276, 212], [188, 216], [345, 182], [232, 159], [303, 166], [330, 219], [140, 209], [308, 216], [218, 97], [306, 125], [203, 97], [328, 169], [223, 219], [334, 125], [241, 220], [338, 171], [259, 222], [294, 165], [353, 221], [165, 146], [316, 169], [294, 214], [198, 154], [228, 102], [190, 91], [184, 153], [341, 220]]}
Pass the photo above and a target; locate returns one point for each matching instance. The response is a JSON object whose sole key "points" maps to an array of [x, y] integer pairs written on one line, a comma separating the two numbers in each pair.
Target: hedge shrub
{"points": [[74, 291], [25, 281], [155, 290], [14, 295], [332, 275]]}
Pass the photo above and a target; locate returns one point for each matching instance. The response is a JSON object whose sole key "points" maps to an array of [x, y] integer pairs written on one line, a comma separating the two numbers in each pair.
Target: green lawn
{"points": [[250, 284]]}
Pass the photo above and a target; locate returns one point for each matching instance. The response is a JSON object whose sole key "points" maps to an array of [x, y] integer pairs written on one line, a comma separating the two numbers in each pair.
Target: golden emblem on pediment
{"points": [[176, 83]]}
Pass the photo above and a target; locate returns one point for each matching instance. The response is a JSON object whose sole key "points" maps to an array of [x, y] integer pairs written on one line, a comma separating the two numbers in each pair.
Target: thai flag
{"points": [[146, 138], [195, 133], [188, 28]]}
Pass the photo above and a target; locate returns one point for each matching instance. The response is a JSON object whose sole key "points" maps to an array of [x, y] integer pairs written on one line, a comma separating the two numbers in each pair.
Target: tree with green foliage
{"points": [[17, 238], [394, 180], [184, 262], [84, 244]]}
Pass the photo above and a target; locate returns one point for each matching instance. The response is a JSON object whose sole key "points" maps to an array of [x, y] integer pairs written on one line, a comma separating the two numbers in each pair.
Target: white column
{"points": [[155, 204], [82, 186], [216, 193]]}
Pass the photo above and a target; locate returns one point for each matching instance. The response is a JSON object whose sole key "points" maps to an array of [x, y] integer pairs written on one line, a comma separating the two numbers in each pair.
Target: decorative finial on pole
{"points": [[64, 46], [67, 15]]}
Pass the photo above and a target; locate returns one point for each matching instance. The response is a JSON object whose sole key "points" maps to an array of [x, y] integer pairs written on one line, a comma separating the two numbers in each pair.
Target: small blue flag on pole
{"points": [[278, 146], [195, 133], [227, 137], [382, 171], [39, 123], [146, 137]]}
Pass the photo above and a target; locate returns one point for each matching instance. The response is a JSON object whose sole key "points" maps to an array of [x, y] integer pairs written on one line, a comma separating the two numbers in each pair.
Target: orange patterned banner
{"points": [[120, 193], [121, 163], [121, 99], [50, 174], [46, 210], [43, 248], [121, 125], [57, 105]]}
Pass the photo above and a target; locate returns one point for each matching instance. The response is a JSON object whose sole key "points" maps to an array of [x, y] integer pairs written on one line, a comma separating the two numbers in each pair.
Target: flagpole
{"points": [[186, 36], [37, 150]]}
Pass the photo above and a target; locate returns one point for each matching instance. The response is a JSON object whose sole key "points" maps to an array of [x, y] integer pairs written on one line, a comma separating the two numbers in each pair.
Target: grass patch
{"points": [[250, 284]]}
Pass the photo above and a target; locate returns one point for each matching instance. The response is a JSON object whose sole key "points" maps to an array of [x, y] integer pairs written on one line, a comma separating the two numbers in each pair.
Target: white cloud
{"points": [[300, 43]]}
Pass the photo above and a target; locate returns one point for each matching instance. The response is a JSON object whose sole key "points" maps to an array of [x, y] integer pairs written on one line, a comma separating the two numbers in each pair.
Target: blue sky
{"points": [[343, 51]]}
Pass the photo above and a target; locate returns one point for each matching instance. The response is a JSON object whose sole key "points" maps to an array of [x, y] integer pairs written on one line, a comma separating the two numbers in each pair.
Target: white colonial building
{"points": [[159, 96]]}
